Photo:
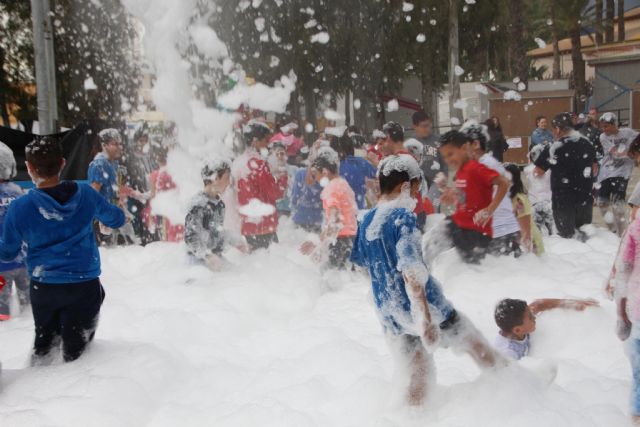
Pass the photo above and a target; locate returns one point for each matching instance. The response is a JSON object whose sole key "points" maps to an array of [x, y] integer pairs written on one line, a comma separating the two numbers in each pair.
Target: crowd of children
{"points": [[50, 235]]}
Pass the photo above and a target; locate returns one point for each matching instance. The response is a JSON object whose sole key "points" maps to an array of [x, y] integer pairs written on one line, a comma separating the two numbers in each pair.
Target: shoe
{"points": [[5, 317]]}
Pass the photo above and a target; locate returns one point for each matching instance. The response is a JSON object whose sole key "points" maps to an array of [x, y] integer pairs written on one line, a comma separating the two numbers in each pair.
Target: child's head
{"points": [[455, 148], [396, 170], [562, 124], [256, 134], [514, 318], [422, 124], [541, 122], [415, 148], [343, 145], [326, 163], [535, 153], [7, 163], [216, 176], [478, 135], [44, 158], [111, 142], [517, 186], [609, 123], [394, 137], [278, 150]]}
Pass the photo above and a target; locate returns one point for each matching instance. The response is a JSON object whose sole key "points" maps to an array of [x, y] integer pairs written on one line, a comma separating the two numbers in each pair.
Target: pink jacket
{"points": [[631, 256]]}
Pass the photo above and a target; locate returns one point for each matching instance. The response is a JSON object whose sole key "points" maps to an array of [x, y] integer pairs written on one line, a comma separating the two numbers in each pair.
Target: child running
{"points": [[517, 321], [469, 228], [530, 236], [55, 222], [415, 315], [339, 203]]}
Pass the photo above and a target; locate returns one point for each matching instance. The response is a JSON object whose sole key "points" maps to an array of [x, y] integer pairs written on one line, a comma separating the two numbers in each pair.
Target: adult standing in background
{"points": [[497, 143], [432, 163], [541, 134]]}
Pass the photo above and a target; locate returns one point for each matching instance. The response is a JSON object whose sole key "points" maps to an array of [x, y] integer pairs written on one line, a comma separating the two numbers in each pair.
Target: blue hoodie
{"points": [[61, 246], [306, 204], [8, 193], [539, 136]]}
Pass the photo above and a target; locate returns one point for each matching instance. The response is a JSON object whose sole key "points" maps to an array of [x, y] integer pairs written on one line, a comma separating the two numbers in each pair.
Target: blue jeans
{"points": [[634, 358]]}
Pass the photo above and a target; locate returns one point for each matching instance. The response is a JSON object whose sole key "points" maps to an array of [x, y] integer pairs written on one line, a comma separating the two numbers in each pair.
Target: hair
{"points": [[517, 186], [490, 125], [538, 118], [509, 313], [394, 130], [476, 132], [214, 170], [255, 130], [343, 146], [535, 153], [634, 148], [419, 117], [277, 144], [391, 181], [563, 121], [159, 154], [322, 162], [108, 135], [497, 126], [45, 156], [455, 138]]}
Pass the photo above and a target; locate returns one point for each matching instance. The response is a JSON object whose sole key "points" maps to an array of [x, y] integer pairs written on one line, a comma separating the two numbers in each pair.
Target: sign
{"points": [[514, 142]]}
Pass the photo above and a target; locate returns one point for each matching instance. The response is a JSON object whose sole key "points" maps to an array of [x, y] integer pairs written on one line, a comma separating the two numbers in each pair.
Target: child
{"points": [[13, 271], [255, 180], [204, 233], [55, 222], [531, 238], [539, 188], [339, 203], [627, 293], [306, 204], [160, 181], [278, 164], [469, 228], [409, 302], [517, 320], [359, 173]]}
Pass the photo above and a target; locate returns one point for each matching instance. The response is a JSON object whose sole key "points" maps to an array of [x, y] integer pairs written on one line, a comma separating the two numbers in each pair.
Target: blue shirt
{"points": [[539, 136], [103, 172], [8, 193], [306, 204], [61, 246], [387, 245], [356, 170]]}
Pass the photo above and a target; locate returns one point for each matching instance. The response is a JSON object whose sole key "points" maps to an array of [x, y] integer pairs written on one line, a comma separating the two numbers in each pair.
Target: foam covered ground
{"points": [[271, 343]]}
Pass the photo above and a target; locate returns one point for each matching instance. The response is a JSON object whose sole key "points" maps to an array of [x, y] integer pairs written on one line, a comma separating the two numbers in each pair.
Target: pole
{"points": [[45, 66], [454, 79]]}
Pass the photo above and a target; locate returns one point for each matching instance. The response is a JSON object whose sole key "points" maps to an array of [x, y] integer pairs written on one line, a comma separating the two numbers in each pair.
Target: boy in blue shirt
{"points": [[55, 222], [14, 271], [410, 304], [359, 173]]}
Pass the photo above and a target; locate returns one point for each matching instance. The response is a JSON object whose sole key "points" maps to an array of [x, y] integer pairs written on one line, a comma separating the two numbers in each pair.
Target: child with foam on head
{"points": [[517, 321], [469, 228], [339, 204], [204, 232], [14, 271], [415, 315], [55, 222]]}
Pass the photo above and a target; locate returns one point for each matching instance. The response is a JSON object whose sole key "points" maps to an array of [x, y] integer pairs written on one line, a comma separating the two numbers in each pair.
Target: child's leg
{"points": [[564, 215], [5, 296], [414, 366], [46, 318], [462, 336], [79, 318], [339, 253], [21, 280]]}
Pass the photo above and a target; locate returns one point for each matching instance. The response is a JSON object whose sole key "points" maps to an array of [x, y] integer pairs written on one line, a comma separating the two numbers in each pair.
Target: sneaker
{"points": [[5, 317]]}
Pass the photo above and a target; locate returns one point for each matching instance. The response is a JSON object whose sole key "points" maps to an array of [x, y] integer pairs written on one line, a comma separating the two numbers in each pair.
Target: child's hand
{"points": [[430, 335], [623, 328], [449, 196], [307, 248], [581, 304], [482, 217], [243, 247]]}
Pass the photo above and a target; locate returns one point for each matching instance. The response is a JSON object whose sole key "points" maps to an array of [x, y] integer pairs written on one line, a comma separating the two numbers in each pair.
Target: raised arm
{"points": [[546, 304]]}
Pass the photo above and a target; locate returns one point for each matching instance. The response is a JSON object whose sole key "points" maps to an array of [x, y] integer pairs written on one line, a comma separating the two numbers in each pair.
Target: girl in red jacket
{"points": [[257, 188]]}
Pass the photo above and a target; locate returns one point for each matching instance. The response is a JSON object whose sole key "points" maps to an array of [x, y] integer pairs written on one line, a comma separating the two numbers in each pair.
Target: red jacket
{"points": [[256, 182]]}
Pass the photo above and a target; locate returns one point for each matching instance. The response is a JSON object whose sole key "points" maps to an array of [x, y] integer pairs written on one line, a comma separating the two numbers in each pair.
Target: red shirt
{"points": [[474, 183]]}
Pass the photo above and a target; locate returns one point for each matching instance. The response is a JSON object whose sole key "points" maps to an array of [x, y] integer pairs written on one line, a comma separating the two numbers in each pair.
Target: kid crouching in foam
{"points": [[55, 221], [415, 315], [339, 203], [204, 233]]}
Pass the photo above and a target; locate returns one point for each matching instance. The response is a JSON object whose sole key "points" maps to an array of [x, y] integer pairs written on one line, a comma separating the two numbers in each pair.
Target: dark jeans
{"points": [[261, 241], [471, 245], [506, 245], [67, 312], [570, 215], [340, 252], [613, 190]]}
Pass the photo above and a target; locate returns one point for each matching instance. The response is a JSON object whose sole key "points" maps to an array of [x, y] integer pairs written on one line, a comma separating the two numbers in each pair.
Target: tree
{"points": [[608, 24], [555, 74], [621, 35], [98, 69], [518, 66], [598, 20]]}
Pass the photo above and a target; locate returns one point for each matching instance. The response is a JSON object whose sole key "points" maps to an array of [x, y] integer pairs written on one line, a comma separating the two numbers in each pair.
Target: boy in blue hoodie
{"points": [[415, 315], [14, 271], [55, 222]]}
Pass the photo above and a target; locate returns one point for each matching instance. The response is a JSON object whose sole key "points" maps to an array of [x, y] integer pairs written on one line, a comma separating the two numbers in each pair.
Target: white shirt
{"points": [[616, 162], [511, 348], [538, 187], [504, 221]]}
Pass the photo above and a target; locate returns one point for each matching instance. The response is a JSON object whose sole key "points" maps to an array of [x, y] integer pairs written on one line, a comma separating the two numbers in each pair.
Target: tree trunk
{"points": [[621, 35], [579, 79], [608, 25], [347, 108], [454, 80], [5, 85], [427, 91], [555, 72], [598, 13], [517, 45]]}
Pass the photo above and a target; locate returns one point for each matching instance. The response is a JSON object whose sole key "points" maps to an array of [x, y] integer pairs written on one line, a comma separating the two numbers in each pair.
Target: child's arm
{"points": [[328, 235], [108, 214], [546, 304], [11, 241], [429, 332], [483, 216]]}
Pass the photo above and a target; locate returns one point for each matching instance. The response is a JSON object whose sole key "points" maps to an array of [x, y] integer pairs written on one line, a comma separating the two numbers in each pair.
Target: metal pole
{"points": [[454, 80], [45, 66]]}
